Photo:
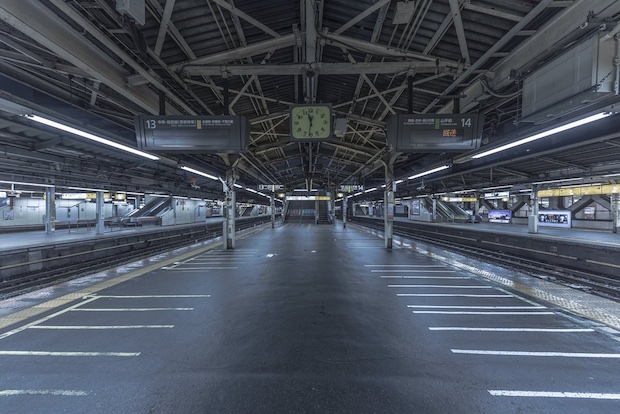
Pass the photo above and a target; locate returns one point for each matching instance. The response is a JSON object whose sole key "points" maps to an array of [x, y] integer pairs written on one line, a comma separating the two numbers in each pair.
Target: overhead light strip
{"points": [[90, 136], [425, 173], [203, 174], [544, 134]]}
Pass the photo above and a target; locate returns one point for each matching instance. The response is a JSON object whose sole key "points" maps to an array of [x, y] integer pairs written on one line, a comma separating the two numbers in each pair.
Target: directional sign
{"points": [[192, 134], [435, 133]]}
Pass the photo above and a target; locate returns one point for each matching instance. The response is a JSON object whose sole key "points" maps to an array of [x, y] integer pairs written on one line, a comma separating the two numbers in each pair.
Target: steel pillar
{"points": [[532, 220], [615, 212], [50, 210], [100, 225]]}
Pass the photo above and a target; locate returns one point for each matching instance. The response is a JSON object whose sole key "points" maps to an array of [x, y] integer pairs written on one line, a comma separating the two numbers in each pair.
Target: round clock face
{"points": [[311, 122]]}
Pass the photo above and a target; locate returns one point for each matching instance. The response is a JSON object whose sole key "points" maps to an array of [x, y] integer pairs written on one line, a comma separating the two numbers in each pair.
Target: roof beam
{"points": [[225, 5], [376, 49], [492, 12], [46, 28], [455, 9], [497, 46], [357, 68], [241, 52], [163, 26], [362, 16]]}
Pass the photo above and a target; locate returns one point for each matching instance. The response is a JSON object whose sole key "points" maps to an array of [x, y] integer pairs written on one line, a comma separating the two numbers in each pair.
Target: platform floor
{"points": [[308, 319], [20, 240]]}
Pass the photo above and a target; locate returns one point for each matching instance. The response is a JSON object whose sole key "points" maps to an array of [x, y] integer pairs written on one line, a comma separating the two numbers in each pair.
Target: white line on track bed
{"points": [[453, 295], [535, 354], [199, 268], [555, 394], [475, 307], [129, 309], [483, 313], [64, 393], [425, 277], [78, 327], [442, 286], [554, 330], [147, 296], [387, 265], [70, 354], [412, 271]]}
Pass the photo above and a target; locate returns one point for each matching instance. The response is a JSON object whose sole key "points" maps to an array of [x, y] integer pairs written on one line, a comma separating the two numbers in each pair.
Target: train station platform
{"points": [[303, 318]]}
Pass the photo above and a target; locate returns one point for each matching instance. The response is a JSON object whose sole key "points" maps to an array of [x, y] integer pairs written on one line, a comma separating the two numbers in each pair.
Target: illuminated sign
{"points": [[351, 188], [497, 195]]}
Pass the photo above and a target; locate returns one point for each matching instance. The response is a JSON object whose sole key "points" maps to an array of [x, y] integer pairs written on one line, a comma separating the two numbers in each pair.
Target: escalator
{"points": [[447, 212], [149, 213]]}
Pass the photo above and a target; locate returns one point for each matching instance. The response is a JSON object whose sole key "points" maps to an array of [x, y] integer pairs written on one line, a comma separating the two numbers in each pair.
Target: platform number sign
{"points": [[435, 133]]}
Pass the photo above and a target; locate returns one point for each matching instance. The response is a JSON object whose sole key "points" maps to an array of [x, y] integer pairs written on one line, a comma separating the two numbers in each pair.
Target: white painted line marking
{"points": [[388, 265], [475, 307], [202, 268], [556, 330], [483, 313], [64, 393], [78, 327], [425, 277], [535, 354], [148, 296], [555, 394], [129, 309], [442, 286], [47, 318], [69, 354], [453, 295], [412, 271]]}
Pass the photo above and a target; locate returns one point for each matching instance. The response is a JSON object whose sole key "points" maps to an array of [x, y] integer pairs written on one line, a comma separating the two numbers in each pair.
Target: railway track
{"points": [[82, 265], [593, 283]]}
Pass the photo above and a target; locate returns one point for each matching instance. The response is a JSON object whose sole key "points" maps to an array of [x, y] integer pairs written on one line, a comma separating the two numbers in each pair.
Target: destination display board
{"points": [[192, 134], [435, 132]]}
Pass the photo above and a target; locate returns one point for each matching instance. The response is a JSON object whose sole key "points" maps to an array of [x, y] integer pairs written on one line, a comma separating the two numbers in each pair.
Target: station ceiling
{"points": [[88, 65]]}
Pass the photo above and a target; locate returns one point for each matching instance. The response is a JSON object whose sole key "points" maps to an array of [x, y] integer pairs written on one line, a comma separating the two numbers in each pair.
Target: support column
{"points": [[532, 220], [50, 210], [344, 211], [388, 202], [434, 216], [100, 225], [615, 212], [229, 211], [272, 205]]}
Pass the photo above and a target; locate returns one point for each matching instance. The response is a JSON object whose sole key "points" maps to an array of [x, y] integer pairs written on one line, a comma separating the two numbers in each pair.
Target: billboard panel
{"points": [[500, 216]]}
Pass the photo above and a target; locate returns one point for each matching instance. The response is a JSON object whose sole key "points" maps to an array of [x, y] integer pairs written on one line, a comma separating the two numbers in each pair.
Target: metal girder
{"points": [[318, 68], [225, 5], [370, 10], [571, 19], [460, 31], [492, 12], [163, 26], [381, 50], [241, 52], [497, 46]]}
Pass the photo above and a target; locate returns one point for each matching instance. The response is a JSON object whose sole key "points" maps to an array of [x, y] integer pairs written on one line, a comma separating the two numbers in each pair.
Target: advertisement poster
{"points": [[555, 218], [500, 216], [8, 215], [415, 207]]}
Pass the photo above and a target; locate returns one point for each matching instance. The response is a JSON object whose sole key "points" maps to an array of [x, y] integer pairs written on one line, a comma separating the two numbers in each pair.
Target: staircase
{"points": [[323, 219]]}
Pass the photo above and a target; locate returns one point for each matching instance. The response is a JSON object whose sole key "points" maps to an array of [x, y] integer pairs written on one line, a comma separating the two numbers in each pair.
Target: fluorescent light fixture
{"points": [[583, 185], [237, 185], [434, 170], [398, 181], [300, 189], [83, 189], [129, 192], [32, 184], [199, 172], [407, 198], [527, 190], [90, 136], [558, 181], [370, 190], [495, 188], [543, 134], [612, 175], [251, 190], [356, 194]]}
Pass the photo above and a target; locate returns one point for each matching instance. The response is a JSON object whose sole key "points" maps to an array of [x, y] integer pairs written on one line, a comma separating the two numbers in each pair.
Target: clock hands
{"points": [[310, 118]]}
